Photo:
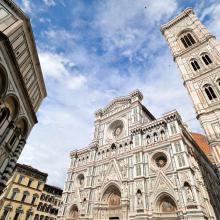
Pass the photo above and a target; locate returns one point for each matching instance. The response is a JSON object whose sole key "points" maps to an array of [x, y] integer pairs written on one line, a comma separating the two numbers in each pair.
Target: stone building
{"points": [[197, 55], [20, 198], [50, 201], [22, 87], [139, 167]]}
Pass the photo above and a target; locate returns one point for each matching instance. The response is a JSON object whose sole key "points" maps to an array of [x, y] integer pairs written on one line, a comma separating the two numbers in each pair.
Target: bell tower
{"points": [[197, 55]]}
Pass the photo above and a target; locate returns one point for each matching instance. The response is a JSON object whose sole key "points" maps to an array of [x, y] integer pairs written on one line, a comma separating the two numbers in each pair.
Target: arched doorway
{"points": [[111, 208], [74, 212], [166, 208]]}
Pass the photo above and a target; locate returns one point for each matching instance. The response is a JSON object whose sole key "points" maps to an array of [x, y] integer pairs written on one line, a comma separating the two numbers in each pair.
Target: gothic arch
{"points": [[165, 203], [186, 30], [207, 58], [187, 38], [195, 64], [209, 91], [3, 81], [111, 194], [73, 212]]}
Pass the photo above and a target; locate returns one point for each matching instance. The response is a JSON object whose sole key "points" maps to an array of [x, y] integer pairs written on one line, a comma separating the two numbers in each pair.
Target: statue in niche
{"points": [[123, 166], [81, 181], [84, 204], [163, 136], [139, 199], [188, 192]]}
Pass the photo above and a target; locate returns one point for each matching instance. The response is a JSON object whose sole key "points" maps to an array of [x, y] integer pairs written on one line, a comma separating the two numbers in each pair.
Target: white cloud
{"points": [[26, 5], [75, 82], [49, 2], [124, 24], [213, 11], [59, 67]]}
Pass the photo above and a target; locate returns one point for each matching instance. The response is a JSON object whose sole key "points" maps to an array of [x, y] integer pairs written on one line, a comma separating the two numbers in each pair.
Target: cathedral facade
{"points": [[139, 167]]}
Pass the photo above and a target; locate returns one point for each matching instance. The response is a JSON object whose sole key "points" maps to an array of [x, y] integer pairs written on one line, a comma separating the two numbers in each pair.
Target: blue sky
{"points": [[94, 50]]}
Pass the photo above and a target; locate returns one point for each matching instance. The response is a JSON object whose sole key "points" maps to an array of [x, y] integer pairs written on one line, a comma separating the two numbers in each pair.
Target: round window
{"points": [[160, 159], [115, 129]]}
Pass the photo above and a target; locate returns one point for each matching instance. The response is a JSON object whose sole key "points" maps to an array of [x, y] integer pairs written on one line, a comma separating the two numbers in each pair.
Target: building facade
{"points": [[22, 87], [139, 167], [197, 55], [50, 201], [21, 197]]}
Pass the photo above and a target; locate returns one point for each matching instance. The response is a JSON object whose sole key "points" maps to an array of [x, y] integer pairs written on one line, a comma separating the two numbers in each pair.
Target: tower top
{"points": [[175, 20]]}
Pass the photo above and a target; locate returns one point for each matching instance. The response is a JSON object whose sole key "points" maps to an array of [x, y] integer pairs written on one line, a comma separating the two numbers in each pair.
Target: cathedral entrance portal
{"points": [[111, 208], [166, 209]]}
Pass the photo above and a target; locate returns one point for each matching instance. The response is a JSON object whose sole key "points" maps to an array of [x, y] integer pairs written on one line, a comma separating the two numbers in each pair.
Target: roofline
{"points": [[11, 53], [176, 19], [54, 187], [148, 112], [26, 19], [32, 169]]}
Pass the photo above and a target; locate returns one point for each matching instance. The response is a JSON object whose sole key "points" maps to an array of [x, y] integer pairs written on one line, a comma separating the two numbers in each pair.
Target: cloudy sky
{"points": [[94, 50]]}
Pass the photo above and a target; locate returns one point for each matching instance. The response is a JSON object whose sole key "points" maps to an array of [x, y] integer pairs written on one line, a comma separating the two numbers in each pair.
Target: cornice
{"points": [[175, 20], [10, 52], [36, 62], [121, 99], [28, 170], [168, 117]]}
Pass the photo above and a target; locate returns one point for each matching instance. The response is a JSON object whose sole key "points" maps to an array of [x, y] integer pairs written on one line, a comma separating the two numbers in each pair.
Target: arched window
{"points": [[113, 146], [36, 217], [187, 40], [148, 139], [39, 207], [107, 152], [155, 137], [195, 65], [210, 92], [206, 59], [14, 193], [162, 134], [25, 195]]}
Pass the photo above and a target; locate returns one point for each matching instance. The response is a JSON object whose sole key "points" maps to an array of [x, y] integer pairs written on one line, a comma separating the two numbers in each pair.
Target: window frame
{"points": [[187, 39]]}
